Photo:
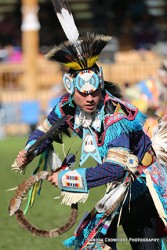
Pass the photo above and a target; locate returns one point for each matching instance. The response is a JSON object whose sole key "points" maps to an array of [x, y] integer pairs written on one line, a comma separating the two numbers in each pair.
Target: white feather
{"points": [[111, 198], [54, 161], [159, 141], [68, 25]]}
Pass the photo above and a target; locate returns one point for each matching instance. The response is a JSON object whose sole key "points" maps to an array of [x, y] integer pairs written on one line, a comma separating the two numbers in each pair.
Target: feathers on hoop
{"points": [[48, 159], [159, 141], [90, 44]]}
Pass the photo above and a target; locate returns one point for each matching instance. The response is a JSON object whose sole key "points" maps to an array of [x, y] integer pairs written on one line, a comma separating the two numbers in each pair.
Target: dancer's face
{"points": [[88, 102]]}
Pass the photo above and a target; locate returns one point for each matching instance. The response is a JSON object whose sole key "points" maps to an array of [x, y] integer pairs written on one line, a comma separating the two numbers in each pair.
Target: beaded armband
{"points": [[73, 186], [124, 158]]}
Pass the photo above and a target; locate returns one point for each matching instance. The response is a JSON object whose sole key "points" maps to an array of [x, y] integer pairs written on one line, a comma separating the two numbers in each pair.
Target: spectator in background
{"points": [[3, 54], [8, 28], [162, 88], [14, 54], [145, 32]]}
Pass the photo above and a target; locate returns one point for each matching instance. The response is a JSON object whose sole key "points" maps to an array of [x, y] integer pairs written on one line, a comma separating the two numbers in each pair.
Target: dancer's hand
{"points": [[53, 178]]}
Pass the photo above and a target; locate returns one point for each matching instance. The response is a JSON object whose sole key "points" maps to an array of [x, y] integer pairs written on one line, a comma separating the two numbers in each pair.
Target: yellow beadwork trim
{"points": [[79, 65]]}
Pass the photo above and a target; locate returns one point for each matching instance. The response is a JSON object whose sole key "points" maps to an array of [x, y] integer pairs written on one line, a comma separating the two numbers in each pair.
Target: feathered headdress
{"points": [[79, 52]]}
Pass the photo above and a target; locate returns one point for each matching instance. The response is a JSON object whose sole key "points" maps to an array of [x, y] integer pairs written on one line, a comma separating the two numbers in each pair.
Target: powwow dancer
{"points": [[112, 133]]}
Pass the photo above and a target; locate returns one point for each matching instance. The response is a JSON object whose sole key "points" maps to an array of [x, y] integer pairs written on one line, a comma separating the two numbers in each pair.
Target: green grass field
{"points": [[47, 213]]}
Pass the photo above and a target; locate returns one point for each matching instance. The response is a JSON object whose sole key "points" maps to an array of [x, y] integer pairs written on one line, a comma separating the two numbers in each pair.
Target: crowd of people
{"points": [[150, 96], [10, 53], [120, 18]]}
